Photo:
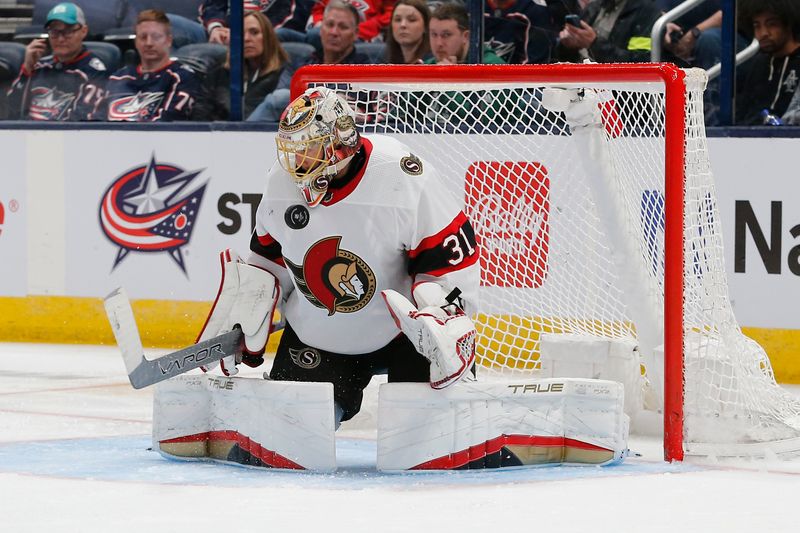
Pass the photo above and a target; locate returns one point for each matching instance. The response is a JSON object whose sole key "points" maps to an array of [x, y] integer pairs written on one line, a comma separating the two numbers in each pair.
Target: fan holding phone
{"points": [[64, 85], [609, 31]]}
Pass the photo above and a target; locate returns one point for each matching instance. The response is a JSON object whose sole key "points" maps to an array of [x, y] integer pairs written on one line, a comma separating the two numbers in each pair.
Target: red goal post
{"points": [[653, 106]]}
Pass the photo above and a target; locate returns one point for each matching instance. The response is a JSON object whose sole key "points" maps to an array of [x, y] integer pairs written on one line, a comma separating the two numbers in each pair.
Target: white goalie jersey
{"points": [[386, 226]]}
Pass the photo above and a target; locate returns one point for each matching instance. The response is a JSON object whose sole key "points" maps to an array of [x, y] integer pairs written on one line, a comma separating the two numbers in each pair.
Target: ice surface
{"points": [[74, 439]]}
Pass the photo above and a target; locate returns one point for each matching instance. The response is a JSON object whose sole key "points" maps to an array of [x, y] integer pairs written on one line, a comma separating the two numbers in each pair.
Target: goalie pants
{"points": [[350, 374]]}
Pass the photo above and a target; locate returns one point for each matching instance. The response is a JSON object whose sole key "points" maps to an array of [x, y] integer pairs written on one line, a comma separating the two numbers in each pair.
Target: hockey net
{"points": [[591, 193]]}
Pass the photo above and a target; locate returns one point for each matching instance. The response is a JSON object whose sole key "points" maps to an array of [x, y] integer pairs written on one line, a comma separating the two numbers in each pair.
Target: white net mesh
{"points": [[570, 221]]}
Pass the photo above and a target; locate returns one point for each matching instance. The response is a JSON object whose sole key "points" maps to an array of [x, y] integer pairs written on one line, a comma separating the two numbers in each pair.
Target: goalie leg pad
{"points": [[479, 425], [588, 356], [253, 422]]}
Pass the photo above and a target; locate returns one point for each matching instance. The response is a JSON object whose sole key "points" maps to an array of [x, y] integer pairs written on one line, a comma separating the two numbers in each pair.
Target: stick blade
{"points": [[176, 363], [143, 372], [123, 324]]}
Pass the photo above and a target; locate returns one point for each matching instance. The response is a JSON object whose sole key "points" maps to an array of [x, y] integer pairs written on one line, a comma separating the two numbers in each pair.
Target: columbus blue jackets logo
{"points": [[333, 279], [140, 106], [152, 208], [49, 104]]}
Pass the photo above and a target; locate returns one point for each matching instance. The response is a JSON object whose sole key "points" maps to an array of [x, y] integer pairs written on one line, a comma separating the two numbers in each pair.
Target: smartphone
{"points": [[575, 20], [675, 36], [44, 37]]}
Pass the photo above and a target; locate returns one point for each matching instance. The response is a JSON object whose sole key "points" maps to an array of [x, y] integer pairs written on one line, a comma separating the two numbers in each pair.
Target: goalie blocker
{"points": [[247, 298]]}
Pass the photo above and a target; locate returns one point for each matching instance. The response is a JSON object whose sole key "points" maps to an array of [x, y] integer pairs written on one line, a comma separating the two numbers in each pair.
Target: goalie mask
{"points": [[317, 138]]}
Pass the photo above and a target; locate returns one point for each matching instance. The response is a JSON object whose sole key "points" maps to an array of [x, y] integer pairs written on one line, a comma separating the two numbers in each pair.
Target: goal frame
{"points": [[673, 80]]}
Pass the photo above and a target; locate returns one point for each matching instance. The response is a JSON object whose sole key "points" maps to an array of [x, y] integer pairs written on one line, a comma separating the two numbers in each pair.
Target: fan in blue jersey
{"points": [[522, 31], [65, 84], [352, 230], [288, 17], [158, 88]]}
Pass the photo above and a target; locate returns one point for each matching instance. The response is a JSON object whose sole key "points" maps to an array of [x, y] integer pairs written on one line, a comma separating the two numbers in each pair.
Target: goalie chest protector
{"points": [[393, 220]]}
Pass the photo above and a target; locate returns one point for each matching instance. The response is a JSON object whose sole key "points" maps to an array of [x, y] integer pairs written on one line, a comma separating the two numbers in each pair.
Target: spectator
{"points": [[698, 43], [288, 17], [771, 82], [264, 60], [521, 31], [373, 15], [64, 85], [158, 88], [407, 36], [449, 34], [698, 33], [611, 31], [449, 30], [338, 34], [559, 9]]}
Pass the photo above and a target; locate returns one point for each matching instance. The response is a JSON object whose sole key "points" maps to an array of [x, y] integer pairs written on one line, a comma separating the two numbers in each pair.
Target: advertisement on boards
{"points": [[150, 211], [759, 199], [13, 226]]}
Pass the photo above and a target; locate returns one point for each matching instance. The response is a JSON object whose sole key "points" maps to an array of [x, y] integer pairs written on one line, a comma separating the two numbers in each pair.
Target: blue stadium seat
{"points": [[202, 57], [375, 51], [11, 57], [184, 8], [100, 16], [298, 51], [107, 52], [122, 37]]}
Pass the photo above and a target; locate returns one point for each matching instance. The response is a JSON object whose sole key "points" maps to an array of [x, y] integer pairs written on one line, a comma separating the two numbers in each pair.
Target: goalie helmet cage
{"points": [[590, 190]]}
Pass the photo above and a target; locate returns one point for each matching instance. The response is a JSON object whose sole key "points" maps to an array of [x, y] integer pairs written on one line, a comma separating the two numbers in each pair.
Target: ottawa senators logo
{"points": [[299, 113], [411, 165], [334, 279], [307, 358]]}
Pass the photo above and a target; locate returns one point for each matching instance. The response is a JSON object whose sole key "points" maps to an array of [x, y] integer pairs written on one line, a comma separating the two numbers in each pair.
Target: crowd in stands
{"points": [[178, 66]]}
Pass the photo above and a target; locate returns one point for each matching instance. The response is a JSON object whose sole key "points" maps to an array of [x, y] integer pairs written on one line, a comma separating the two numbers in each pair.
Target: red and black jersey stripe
{"points": [[267, 247], [449, 250]]}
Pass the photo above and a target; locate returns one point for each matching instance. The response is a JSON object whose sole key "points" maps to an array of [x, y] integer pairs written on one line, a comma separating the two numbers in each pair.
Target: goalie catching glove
{"points": [[246, 299], [439, 330]]}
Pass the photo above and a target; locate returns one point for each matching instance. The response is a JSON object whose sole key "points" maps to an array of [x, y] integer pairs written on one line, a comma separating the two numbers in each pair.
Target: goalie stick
{"points": [[144, 372]]}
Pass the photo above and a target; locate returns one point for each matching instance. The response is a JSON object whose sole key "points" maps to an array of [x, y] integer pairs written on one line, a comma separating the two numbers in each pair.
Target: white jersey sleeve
{"points": [[266, 252], [442, 247]]}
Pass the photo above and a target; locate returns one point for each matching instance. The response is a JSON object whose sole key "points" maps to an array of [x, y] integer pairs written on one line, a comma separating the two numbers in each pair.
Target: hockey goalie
{"points": [[374, 267]]}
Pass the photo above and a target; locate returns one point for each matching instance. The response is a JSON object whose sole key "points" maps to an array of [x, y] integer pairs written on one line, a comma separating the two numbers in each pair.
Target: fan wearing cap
{"points": [[63, 85]]}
